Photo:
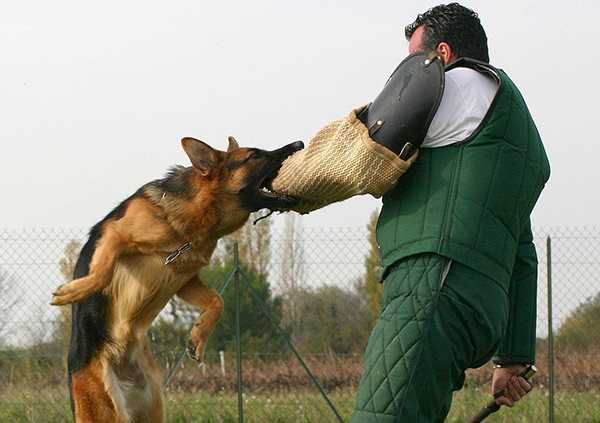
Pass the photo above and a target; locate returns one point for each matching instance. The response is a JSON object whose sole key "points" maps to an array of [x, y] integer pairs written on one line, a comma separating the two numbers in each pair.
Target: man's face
{"points": [[415, 44]]}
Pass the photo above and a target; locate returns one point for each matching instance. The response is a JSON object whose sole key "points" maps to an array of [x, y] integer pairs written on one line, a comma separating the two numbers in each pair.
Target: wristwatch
{"points": [[501, 365], [529, 371]]}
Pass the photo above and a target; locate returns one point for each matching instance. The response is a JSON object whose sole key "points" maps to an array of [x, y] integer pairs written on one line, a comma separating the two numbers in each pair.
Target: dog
{"points": [[145, 251]]}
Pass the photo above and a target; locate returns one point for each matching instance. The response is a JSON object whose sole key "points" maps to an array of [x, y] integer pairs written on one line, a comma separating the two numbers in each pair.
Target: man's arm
{"points": [[518, 344], [341, 161], [517, 348], [369, 150]]}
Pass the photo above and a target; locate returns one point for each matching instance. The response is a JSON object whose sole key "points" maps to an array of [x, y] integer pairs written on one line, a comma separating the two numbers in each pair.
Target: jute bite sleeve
{"points": [[341, 161]]}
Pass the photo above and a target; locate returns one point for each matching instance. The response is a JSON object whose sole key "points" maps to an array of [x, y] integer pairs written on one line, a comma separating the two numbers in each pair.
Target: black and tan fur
{"points": [[122, 282]]}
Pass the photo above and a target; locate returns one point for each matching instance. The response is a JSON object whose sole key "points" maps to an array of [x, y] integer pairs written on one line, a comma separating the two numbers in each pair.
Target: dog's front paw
{"points": [[63, 295], [196, 352], [76, 290]]}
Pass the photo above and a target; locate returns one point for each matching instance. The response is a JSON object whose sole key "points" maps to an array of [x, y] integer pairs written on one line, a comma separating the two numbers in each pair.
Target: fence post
{"points": [[222, 358], [551, 380], [238, 341]]}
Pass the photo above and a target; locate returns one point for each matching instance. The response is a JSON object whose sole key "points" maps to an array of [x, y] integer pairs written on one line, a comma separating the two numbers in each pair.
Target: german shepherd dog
{"points": [[146, 250]]}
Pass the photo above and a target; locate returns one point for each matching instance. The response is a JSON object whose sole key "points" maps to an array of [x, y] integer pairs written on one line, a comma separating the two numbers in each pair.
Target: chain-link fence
{"points": [[314, 282]]}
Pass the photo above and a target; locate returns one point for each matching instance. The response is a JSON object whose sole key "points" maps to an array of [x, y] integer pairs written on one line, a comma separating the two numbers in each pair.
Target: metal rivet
{"points": [[379, 122], [427, 62]]}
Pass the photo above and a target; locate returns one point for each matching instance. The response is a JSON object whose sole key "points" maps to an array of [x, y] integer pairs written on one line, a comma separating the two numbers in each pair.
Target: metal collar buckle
{"points": [[175, 254]]}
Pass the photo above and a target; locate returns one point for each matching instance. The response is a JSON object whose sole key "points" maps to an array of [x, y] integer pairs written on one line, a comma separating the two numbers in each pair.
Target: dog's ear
{"points": [[202, 155], [233, 145]]}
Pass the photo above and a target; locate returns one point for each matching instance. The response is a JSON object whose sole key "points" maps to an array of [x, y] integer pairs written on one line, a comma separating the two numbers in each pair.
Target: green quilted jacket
{"points": [[472, 202]]}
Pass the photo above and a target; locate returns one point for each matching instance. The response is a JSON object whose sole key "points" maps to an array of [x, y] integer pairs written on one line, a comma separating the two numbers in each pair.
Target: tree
{"points": [[254, 242], [332, 319], [292, 272], [7, 303], [372, 286], [257, 332], [66, 265], [69, 259], [581, 330]]}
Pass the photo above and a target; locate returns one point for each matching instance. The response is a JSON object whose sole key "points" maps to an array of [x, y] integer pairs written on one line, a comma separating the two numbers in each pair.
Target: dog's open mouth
{"points": [[265, 187], [261, 194]]}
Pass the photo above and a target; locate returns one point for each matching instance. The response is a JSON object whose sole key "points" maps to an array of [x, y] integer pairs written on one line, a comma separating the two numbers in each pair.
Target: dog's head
{"points": [[246, 173]]}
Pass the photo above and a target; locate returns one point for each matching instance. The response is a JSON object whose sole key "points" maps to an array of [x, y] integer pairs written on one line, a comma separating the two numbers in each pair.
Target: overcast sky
{"points": [[95, 96]]}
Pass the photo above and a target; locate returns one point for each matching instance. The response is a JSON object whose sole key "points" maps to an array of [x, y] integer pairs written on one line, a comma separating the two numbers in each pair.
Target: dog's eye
{"points": [[242, 162], [253, 155]]}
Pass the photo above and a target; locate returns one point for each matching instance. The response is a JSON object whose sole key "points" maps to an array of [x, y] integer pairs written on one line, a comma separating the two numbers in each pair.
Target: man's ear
{"points": [[446, 53], [233, 145], [202, 155]]}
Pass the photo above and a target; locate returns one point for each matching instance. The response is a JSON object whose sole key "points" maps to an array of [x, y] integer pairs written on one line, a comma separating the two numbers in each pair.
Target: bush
{"points": [[332, 319], [581, 330]]}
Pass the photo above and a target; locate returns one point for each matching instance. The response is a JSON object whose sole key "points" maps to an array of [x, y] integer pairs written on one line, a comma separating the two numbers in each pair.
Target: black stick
{"points": [[493, 406]]}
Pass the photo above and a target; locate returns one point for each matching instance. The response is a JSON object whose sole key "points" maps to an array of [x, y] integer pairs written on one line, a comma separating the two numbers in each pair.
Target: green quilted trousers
{"points": [[438, 318]]}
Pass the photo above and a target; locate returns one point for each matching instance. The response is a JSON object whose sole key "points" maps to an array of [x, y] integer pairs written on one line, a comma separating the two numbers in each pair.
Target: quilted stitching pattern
{"points": [[469, 201], [394, 347]]}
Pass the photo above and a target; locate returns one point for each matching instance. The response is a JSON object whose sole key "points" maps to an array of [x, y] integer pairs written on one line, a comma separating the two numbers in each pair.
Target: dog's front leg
{"points": [[199, 294], [109, 247]]}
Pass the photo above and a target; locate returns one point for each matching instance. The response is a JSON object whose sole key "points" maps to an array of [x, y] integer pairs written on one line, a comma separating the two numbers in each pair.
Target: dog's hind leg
{"points": [[199, 294], [108, 249], [92, 402]]}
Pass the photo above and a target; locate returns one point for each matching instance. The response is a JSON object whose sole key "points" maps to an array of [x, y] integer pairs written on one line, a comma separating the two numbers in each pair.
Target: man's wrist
{"points": [[509, 360], [509, 365]]}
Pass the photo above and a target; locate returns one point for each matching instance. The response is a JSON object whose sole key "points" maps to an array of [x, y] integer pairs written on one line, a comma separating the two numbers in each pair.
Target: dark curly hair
{"points": [[453, 24]]}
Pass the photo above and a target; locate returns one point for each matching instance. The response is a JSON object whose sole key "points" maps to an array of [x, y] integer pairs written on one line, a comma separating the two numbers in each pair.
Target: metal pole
{"points": [[287, 339], [222, 358], [238, 342], [551, 380], [175, 367]]}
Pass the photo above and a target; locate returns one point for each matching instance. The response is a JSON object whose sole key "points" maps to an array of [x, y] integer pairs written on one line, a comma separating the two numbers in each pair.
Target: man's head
{"points": [[451, 29]]}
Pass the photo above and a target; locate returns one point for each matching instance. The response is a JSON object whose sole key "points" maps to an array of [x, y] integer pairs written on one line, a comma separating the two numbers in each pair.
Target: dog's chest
{"points": [[165, 273], [189, 257], [143, 283]]}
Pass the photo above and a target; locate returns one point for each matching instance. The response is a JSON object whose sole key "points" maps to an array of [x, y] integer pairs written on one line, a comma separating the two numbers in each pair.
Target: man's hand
{"points": [[506, 380]]}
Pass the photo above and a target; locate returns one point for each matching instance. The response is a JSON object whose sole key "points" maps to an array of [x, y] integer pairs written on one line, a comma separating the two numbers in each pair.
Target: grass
{"points": [[34, 390], [49, 405]]}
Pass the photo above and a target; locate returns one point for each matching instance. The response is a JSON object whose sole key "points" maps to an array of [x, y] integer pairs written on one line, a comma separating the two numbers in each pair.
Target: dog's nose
{"points": [[298, 145]]}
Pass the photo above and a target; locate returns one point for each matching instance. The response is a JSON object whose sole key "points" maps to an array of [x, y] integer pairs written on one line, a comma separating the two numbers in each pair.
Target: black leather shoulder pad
{"points": [[401, 114]]}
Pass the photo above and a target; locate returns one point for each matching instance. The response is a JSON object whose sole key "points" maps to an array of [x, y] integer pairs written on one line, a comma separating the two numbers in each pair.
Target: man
{"points": [[460, 268]]}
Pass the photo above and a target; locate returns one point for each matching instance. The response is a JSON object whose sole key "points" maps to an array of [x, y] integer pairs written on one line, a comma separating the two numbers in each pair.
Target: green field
{"points": [[51, 405]]}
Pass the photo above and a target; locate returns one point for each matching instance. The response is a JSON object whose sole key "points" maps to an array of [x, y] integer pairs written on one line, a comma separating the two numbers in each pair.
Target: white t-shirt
{"points": [[467, 97]]}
